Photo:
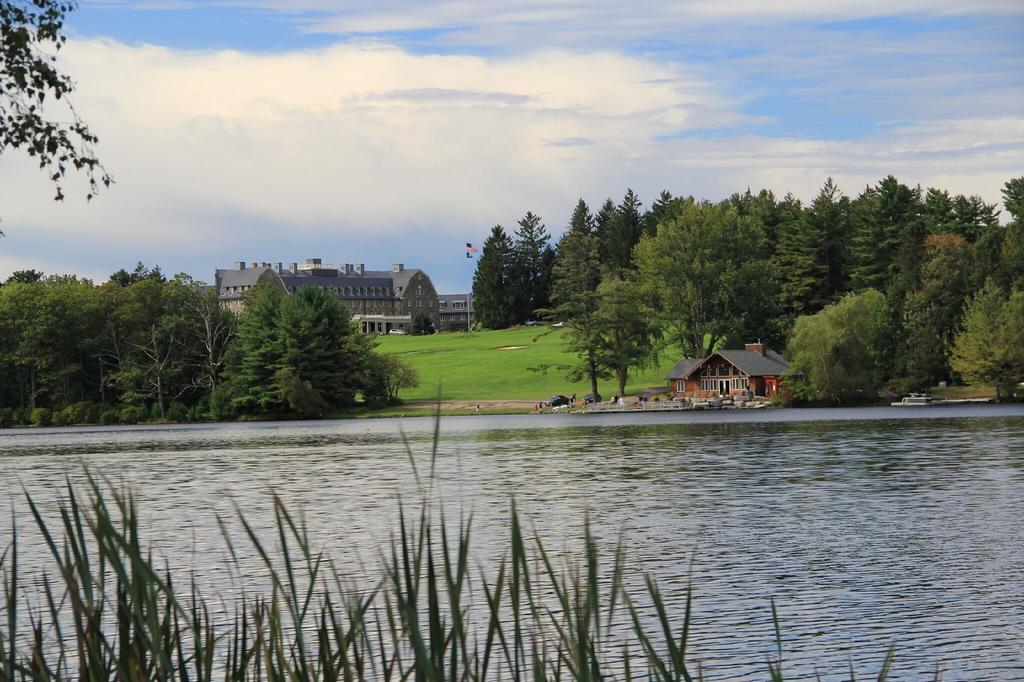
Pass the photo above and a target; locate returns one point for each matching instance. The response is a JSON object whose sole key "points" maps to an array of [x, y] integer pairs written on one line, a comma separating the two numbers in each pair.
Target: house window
{"points": [[680, 385]]}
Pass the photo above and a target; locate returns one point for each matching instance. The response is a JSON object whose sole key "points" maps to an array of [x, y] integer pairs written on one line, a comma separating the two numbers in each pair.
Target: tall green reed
{"points": [[106, 612]]}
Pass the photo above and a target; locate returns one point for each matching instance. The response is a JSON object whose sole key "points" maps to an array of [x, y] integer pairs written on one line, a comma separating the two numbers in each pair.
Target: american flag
{"points": [[470, 250]]}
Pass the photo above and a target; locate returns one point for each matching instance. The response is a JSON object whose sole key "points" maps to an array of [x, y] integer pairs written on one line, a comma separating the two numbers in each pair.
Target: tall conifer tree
{"points": [[493, 285], [533, 259], [623, 233], [577, 275]]}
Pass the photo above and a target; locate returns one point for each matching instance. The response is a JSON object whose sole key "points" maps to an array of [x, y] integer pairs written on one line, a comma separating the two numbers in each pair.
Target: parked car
{"points": [[398, 332], [557, 401], [590, 399], [533, 323]]}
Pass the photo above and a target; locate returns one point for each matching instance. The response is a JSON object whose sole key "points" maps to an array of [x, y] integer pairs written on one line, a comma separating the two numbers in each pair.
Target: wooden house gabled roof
{"points": [[684, 368], [754, 364], [749, 362]]}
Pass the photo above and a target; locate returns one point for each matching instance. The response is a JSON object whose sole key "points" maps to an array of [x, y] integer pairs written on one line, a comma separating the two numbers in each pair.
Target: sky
{"points": [[384, 131]]}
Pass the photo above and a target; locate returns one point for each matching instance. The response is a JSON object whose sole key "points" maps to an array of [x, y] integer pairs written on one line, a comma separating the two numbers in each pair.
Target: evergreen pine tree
{"points": [[1013, 243], [938, 212], [889, 239], [763, 208], [603, 227], [973, 217], [256, 354], [800, 259], [493, 286], [830, 212], [320, 345], [660, 211], [623, 233], [533, 258], [577, 273]]}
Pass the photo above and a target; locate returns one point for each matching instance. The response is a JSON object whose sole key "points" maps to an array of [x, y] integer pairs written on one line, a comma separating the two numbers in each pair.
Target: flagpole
{"points": [[470, 250]]}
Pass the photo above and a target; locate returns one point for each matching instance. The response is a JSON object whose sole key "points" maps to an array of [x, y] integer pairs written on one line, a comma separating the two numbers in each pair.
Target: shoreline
{"points": [[496, 408]]}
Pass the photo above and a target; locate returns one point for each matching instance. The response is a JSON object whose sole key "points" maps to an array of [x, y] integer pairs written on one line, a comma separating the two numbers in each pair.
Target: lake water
{"points": [[867, 526]]}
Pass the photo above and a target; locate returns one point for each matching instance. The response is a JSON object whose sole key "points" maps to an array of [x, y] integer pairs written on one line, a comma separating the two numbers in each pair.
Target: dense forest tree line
{"points": [[144, 347], [898, 286]]}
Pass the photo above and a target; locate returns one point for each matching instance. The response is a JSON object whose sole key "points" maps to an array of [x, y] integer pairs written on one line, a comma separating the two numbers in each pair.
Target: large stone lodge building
{"points": [[379, 300]]}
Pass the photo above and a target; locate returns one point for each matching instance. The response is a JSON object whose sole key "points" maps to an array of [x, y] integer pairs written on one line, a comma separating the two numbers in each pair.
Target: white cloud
{"points": [[369, 152]]}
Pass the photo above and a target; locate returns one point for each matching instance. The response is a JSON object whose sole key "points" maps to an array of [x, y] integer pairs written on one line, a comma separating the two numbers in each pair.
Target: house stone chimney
{"points": [[348, 268], [360, 269], [280, 268], [398, 267], [756, 347], [295, 268], [239, 265]]}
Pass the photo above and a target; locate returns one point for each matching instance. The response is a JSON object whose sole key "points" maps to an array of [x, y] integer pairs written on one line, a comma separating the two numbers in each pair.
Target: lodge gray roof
{"points": [[240, 278], [396, 282], [749, 362]]}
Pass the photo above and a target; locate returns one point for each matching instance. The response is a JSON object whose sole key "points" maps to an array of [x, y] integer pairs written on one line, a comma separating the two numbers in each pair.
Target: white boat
{"points": [[914, 400]]}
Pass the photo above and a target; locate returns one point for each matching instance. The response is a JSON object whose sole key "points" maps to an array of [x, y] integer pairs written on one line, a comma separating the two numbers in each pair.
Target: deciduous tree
{"points": [[707, 274], [35, 112], [625, 329], [836, 355]]}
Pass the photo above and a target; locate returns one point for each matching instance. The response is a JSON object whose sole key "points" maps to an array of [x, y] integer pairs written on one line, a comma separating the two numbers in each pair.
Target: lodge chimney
{"points": [[295, 268], [239, 265], [756, 347], [360, 269], [398, 267]]}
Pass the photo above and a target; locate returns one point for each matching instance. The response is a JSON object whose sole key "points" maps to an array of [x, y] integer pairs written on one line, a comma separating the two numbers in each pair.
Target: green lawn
{"points": [[528, 363]]}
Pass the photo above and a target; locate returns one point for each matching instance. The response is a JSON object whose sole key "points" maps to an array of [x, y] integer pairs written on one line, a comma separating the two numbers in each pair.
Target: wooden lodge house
{"points": [[753, 371]]}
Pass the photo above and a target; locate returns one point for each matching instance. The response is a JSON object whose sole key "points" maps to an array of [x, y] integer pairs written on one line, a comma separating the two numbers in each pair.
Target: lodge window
{"points": [[681, 385]]}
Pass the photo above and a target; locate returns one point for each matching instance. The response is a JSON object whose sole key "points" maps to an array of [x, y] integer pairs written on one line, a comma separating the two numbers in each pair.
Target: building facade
{"points": [[379, 300], [753, 371], [456, 311]]}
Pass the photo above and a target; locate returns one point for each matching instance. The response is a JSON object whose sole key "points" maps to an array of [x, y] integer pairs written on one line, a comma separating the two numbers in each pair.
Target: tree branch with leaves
{"points": [[36, 115]]}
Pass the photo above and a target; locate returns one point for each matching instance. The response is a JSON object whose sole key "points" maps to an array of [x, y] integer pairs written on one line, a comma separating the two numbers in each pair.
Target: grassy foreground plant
{"points": [[106, 612]]}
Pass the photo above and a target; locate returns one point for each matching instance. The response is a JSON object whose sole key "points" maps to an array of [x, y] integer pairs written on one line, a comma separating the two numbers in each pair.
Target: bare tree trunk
{"points": [[160, 395], [103, 385], [592, 371]]}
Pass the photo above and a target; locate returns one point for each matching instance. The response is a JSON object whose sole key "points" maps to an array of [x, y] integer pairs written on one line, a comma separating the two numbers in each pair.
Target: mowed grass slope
{"points": [[526, 363]]}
